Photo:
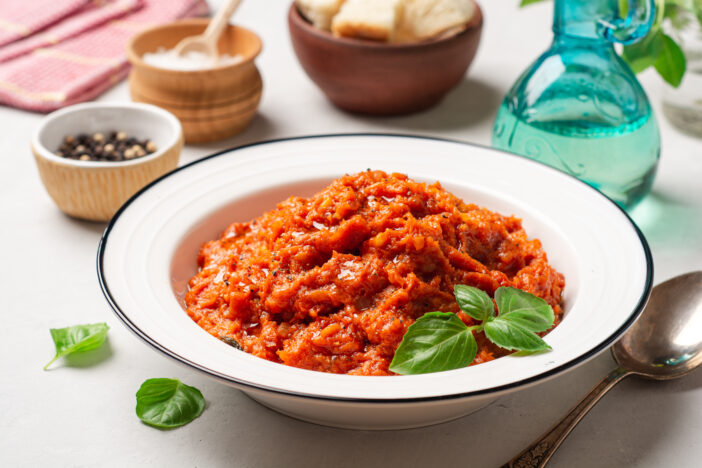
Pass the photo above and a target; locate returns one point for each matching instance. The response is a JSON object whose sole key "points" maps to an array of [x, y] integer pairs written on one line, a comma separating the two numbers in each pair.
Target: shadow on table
{"points": [[666, 220], [90, 358], [97, 227], [630, 424], [261, 128], [472, 102]]}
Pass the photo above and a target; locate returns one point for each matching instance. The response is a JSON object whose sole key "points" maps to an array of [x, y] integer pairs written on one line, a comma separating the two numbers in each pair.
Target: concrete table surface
{"points": [[83, 414]]}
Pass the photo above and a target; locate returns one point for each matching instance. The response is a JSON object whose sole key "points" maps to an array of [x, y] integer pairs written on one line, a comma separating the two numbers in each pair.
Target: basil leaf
{"points": [[523, 309], [436, 342], [77, 339], [643, 54], [671, 63], [168, 403], [474, 302], [511, 336], [520, 315], [528, 2]]}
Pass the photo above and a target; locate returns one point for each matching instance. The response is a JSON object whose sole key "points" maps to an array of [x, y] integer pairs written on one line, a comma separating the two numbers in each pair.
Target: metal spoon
{"points": [[664, 343]]}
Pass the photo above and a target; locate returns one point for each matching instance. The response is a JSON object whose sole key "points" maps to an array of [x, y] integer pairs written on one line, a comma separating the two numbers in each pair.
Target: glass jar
{"points": [[580, 108], [683, 105]]}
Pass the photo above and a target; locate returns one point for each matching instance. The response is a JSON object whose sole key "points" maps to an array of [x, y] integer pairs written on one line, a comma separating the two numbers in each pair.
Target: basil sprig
{"points": [[168, 403], [77, 339], [440, 341]]}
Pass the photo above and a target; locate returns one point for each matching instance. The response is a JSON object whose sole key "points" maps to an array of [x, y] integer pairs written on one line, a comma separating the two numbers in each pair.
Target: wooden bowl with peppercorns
{"points": [[93, 157]]}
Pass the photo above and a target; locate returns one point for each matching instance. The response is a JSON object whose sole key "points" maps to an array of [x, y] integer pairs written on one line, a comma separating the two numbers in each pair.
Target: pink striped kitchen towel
{"points": [[84, 57], [21, 18], [89, 16]]}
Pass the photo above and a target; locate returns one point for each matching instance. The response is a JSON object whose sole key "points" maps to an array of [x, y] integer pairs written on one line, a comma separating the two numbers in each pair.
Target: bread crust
{"points": [[426, 19], [368, 19], [398, 21], [319, 12], [361, 31]]}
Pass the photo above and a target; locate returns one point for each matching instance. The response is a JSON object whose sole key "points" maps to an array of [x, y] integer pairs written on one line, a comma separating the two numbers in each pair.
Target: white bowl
{"points": [[148, 253], [95, 190]]}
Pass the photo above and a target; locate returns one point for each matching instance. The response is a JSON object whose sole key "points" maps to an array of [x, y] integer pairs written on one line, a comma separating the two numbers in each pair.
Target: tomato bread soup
{"points": [[332, 282]]}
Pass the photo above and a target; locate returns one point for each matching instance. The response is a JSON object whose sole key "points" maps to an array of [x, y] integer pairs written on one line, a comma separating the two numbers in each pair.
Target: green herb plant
{"points": [[440, 341], [659, 49], [168, 403], [77, 339]]}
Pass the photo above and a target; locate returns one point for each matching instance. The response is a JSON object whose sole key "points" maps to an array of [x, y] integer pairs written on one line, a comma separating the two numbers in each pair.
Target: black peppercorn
{"points": [[116, 146]]}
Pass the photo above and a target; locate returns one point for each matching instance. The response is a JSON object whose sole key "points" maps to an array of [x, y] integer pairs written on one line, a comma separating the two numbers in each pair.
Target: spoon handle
{"points": [[541, 451], [220, 20]]}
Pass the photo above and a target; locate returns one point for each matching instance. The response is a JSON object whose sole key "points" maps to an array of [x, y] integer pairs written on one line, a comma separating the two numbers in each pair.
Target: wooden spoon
{"points": [[206, 42]]}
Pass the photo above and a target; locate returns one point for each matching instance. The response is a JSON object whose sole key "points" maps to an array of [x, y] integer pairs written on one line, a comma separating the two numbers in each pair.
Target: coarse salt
{"points": [[190, 61]]}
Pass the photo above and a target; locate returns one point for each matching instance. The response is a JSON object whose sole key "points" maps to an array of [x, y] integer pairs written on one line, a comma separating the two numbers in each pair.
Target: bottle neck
{"points": [[580, 19]]}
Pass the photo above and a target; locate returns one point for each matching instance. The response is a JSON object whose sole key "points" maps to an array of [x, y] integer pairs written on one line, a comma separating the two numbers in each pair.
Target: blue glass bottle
{"points": [[579, 107]]}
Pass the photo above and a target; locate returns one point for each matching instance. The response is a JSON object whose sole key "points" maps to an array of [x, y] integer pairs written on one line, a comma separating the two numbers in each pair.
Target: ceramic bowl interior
{"points": [[149, 252], [142, 121]]}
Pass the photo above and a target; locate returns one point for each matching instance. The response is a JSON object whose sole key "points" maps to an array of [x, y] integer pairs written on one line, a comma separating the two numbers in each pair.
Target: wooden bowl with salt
{"points": [[211, 103]]}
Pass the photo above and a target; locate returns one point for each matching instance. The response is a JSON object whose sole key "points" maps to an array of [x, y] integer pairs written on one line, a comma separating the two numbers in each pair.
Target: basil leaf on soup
{"points": [[437, 341], [523, 309], [520, 316], [168, 403], [474, 302], [77, 339]]}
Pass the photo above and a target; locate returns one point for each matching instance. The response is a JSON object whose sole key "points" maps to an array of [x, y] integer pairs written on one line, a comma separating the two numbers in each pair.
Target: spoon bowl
{"points": [[666, 341], [198, 44]]}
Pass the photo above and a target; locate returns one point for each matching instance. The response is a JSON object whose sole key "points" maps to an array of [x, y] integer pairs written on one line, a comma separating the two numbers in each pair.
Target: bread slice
{"points": [[368, 19], [424, 19], [319, 12]]}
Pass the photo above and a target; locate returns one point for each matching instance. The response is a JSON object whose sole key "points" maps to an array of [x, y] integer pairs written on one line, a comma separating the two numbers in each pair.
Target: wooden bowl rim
{"points": [[44, 153], [296, 18], [136, 60]]}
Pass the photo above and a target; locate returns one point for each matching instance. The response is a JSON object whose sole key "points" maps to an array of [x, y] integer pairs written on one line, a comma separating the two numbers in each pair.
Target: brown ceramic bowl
{"points": [[211, 104], [383, 79]]}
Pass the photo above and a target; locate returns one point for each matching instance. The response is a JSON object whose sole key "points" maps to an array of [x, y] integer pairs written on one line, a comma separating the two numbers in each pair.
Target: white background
{"points": [[83, 415]]}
